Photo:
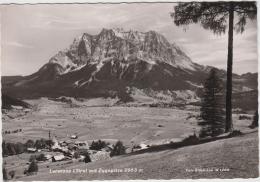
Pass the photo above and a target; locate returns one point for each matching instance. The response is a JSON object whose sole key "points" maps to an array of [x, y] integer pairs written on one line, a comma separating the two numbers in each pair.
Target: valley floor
{"points": [[132, 125]]}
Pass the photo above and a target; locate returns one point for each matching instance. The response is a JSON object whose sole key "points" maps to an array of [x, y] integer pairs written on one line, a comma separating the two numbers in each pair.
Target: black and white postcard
{"points": [[129, 90]]}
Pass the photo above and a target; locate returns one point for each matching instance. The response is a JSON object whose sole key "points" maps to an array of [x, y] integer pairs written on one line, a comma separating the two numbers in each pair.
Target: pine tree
{"points": [[33, 167], [5, 174], [212, 113], [118, 149], [255, 120], [87, 158]]}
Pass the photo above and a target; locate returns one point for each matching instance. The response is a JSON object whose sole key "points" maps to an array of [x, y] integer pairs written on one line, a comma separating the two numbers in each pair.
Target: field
{"points": [[131, 125]]}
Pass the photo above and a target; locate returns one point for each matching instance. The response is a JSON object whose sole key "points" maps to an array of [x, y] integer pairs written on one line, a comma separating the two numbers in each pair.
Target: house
{"points": [[68, 141], [108, 148], [17, 107], [48, 156], [56, 158], [70, 153], [81, 158], [143, 146], [63, 143], [56, 147], [72, 147], [140, 147], [31, 150], [27, 110], [73, 136]]}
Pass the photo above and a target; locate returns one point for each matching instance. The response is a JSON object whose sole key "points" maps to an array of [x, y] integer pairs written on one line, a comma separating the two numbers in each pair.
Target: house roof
{"points": [[32, 149], [59, 157]]}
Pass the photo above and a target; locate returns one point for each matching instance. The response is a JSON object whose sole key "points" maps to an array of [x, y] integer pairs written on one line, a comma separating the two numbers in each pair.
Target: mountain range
{"points": [[119, 63]]}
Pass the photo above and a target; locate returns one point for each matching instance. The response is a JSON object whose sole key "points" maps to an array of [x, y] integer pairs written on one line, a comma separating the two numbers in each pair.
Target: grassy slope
{"points": [[239, 154]]}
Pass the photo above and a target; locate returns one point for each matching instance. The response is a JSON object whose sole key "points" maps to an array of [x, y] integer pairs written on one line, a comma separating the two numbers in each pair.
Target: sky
{"points": [[32, 34]]}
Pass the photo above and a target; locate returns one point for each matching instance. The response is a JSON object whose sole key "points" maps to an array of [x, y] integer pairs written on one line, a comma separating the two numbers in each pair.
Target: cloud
{"points": [[50, 28], [17, 44]]}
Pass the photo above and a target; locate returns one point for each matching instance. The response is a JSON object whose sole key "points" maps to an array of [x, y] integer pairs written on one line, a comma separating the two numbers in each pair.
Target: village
{"points": [[73, 149], [76, 150], [34, 156]]}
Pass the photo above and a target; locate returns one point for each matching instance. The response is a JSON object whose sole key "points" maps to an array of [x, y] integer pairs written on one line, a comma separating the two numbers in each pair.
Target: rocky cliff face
{"points": [[124, 46], [114, 61]]}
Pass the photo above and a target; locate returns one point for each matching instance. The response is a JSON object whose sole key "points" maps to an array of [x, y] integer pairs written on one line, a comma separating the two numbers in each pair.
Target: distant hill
{"points": [[8, 102], [9, 80]]}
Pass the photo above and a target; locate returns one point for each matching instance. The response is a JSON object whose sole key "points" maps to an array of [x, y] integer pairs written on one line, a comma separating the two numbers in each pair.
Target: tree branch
{"points": [[245, 11], [190, 17]]}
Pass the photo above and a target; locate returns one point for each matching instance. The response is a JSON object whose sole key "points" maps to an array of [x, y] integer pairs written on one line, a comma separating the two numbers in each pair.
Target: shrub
{"points": [[136, 147], [255, 121], [32, 158], [12, 174], [33, 167], [29, 144], [4, 149], [125, 96], [40, 157], [5, 174], [190, 115], [25, 171], [192, 139], [19, 148], [98, 145], [42, 143], [235, 133], [11, 149], [242, 117], [39, 144], [76, 155], [49, 142], [87, 157], [118, 149]]}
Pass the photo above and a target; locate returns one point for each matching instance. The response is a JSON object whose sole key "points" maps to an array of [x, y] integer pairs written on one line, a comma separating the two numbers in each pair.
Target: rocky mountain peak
{"points": [[108, 63], [122, 45]]}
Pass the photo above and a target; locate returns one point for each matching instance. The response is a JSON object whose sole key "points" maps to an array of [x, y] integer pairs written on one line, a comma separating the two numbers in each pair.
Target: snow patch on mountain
{"points": [[194, 84], [122, 45], [129, 35], [63, 60]]}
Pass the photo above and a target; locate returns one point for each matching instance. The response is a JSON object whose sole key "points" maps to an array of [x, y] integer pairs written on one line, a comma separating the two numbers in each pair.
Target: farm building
{"points": [[48, 156], [73, 136], [17, 107], [56, 158], [31, 150]]}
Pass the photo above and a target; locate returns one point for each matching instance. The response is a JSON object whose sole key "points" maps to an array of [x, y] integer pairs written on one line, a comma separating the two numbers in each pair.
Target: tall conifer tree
{"points": [[212, 111]]}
